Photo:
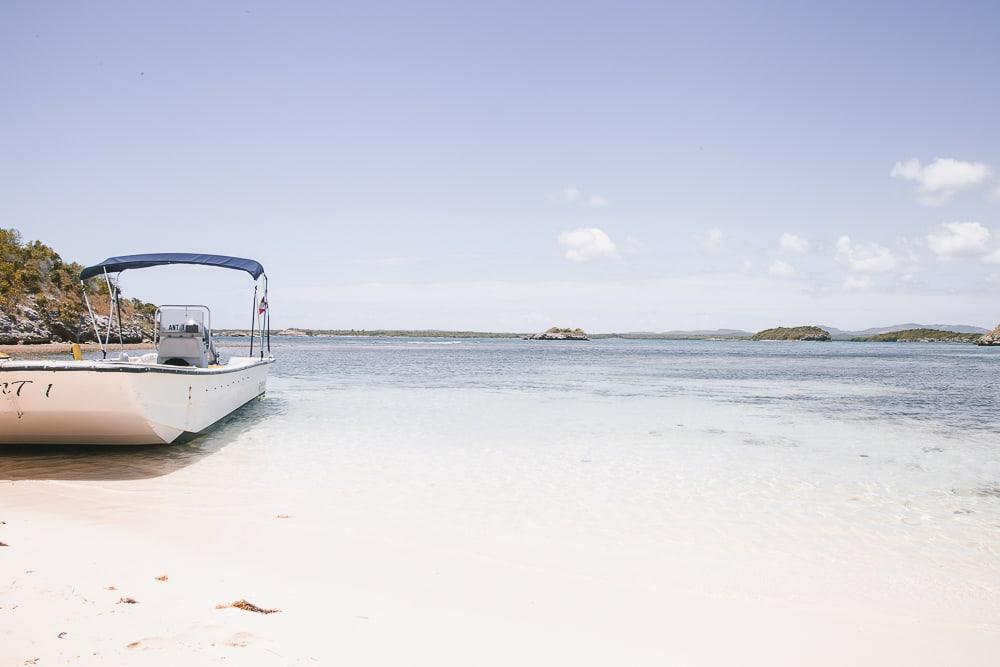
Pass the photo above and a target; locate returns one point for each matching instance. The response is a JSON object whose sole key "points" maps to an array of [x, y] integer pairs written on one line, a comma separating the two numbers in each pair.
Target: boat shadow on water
{"points": [[131, 462]]}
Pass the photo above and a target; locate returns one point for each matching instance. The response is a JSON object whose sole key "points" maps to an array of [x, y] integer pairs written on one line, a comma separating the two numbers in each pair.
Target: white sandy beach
{"points": [[408, 542], [379, 593]]}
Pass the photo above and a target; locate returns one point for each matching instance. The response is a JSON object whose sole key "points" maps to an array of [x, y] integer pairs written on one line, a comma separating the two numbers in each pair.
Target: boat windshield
{"points": [[183, 319]]}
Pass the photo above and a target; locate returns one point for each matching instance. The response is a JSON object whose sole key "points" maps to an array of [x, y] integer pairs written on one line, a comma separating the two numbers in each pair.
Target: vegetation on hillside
{"points": [[33, 268], [41, 296], [793, 333], [920, 336]]}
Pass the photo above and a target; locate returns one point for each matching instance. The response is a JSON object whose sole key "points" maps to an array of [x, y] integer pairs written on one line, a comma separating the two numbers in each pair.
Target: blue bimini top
{"points": [[116, 264]]}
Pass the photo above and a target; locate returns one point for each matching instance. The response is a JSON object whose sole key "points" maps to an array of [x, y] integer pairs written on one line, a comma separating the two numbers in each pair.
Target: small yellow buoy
{"points": [[77, 353]]}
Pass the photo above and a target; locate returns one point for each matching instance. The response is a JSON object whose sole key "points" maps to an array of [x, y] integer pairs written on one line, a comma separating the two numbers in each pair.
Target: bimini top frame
{"points": [[260, 324]]}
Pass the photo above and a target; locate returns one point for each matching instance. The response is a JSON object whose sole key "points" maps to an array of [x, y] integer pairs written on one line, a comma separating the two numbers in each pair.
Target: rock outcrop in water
{"points": [[991, 338], [805, 333], [41, 299], [555, 333], [292, 332]]}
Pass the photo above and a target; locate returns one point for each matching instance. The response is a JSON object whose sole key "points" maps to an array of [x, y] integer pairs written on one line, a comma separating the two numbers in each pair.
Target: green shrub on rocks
{"points": [[41, 299]]}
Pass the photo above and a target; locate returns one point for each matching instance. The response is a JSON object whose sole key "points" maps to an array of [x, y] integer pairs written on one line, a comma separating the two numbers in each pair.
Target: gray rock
{"points": [[991, 338]]}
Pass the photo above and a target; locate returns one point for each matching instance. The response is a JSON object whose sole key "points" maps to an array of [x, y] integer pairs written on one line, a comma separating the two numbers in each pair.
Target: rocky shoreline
{"points": [[991, 338], [30, 323]]}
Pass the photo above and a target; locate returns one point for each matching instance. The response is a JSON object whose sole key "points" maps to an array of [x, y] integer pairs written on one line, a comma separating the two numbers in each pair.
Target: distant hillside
{"points": [[706, 333], [439, 333], [41, 299], [377, 333], [695, 334], [874, 331], [920, 336], [805, 333]]}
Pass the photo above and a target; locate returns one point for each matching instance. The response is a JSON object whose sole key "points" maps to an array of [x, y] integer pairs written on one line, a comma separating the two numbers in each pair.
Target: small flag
{"points": [[263, 305]]}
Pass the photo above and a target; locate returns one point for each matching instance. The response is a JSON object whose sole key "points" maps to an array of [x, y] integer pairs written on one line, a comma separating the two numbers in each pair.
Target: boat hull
{"points": [[97, 403]]}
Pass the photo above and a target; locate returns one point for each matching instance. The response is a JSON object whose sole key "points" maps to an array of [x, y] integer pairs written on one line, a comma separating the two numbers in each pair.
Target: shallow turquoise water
{"points": [[953, 386]]}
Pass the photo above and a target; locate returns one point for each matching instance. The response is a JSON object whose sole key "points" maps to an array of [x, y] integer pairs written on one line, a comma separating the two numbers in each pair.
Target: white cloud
{"points": [[942, 179], [865, 258], [854, 283], [587, 244], [960, 239], [781, 269], [793, 245], [577, 196], [714, 241]]}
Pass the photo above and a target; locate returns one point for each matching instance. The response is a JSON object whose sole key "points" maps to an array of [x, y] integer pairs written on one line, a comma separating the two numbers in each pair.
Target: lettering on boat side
{"points": [[14, 387]]}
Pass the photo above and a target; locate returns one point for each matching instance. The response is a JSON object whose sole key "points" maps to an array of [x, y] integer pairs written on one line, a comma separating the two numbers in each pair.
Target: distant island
{"points": [[556, 333], [804, 333], [375, 333], [694, 334], [900, 333], [843, 334], [920, 336]]}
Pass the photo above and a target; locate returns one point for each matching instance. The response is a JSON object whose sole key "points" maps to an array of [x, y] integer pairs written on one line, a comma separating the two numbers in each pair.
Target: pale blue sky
{"points": [[416, 165]]}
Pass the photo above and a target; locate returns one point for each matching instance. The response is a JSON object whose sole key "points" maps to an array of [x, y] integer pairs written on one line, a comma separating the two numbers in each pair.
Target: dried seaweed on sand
{"points": [[247, 606]]}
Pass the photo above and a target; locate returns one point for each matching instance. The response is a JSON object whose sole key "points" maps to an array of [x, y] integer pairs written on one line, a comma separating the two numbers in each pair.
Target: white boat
{"points": [[181, 388]]}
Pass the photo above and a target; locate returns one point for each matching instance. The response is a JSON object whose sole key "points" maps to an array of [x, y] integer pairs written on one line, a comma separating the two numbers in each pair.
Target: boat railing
{"points": [[260, 324]]}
